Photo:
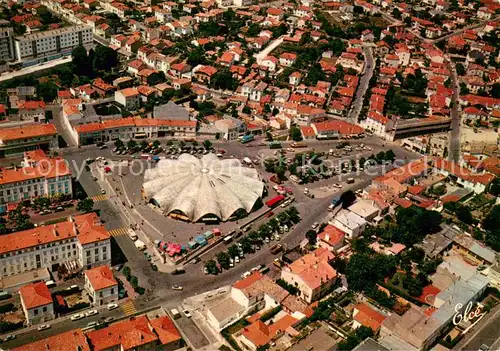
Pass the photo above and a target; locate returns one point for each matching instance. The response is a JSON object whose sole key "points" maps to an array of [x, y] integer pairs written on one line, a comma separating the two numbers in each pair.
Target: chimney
{"points": [[54, 229]]}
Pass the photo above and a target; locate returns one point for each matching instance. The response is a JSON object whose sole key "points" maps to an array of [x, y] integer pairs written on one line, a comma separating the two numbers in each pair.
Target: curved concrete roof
{"points": [[199, 187]]}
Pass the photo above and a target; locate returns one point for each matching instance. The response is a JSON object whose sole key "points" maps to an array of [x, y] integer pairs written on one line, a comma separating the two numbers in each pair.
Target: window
{"points": [[112, 290], [35, 311], [97, 251], [45, 309], [104, 249], [88, 253]]}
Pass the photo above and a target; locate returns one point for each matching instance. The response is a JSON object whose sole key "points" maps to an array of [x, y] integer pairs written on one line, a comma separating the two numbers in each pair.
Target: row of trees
{"points": [[254, 239], [102, 59]]}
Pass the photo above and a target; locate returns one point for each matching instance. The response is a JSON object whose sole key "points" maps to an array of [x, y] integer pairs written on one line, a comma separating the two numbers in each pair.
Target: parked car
{"points": [[187, 313], [92, 324], [10, 337], [91, 313], [43, 327], [112, 306], [177, 287], [77, 316]]}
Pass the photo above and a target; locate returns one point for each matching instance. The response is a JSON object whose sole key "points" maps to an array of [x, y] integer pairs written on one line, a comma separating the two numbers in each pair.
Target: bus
{"points": [[228, 239], [275, 145], [247, 138], [297, 144]]}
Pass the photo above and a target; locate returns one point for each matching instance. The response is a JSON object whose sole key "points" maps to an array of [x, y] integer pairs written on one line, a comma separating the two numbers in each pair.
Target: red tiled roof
{"points": [[261, 334], [342, 127], [24, 132], [251, 279], [70, 340], [331, 235], [89, 230], [35, 295], [129, 334], [307, 131], [166, 330], [368, 317], [100, 277]]}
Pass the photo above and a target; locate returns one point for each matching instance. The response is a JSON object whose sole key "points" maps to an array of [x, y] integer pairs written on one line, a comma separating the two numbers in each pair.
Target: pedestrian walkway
{"points": [[129, 308], [100, 198], [118, 232]]}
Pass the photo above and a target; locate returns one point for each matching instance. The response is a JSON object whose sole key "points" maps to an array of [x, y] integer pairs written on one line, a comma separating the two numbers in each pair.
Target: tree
{"points": [[246, 110], [295, 133], [390, 156], [311, 236], [131, 144], [495, 187], [224, 80], [47, 91], [492, 220], [85, 205], [207, 144], [233, 251], [354, 339], [223, 259], [80, 61], [211, 267], [347, 198], [105, 59], [118, 143]]}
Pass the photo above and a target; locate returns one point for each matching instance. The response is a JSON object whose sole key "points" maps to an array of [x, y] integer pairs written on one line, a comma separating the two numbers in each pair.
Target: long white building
{"points": [[39, 176], [51, 44], [81, 239]]}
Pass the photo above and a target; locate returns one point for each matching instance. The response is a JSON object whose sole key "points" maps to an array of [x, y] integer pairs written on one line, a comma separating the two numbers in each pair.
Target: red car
{"points": [[270, 214]]}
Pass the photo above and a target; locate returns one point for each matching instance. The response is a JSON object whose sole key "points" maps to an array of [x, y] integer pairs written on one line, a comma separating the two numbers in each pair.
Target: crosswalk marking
{"points": [[99, 198], [128, 308], [118, 232]]}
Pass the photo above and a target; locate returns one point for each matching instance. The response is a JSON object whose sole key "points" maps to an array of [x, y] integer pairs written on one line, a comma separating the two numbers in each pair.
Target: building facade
{"points": [[37, 303], [101, 285], [81, 239], [51, 44], [6, 42], [40, 176], [16, 140]]}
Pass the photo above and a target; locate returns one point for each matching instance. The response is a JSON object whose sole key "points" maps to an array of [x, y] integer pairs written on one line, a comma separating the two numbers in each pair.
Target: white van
{"points": [[175, 313], [50, 284]]}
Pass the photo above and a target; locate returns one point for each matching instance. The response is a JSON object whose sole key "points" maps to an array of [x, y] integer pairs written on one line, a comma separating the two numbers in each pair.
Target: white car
{"points": [[187, 313], [315, 225], [177, 287], [246, 274], [43, 327], [337, 185], [91, 313], [237, 259], [112, 306], [77, 316]]}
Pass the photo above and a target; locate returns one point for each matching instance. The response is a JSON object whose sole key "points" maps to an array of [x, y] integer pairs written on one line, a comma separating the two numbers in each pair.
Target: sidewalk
{"points": [[163, 265]]}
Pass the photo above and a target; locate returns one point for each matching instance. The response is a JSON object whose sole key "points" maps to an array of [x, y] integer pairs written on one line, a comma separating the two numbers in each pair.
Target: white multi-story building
{"points": [[6, 42], [101, 285], [51, 44], [37, 303], [81, 239], [16, 140], [39, 176], [129, 97]]}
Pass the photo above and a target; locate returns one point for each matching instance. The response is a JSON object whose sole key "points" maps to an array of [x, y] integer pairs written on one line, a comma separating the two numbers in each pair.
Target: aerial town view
{"points": [[249, 175]]}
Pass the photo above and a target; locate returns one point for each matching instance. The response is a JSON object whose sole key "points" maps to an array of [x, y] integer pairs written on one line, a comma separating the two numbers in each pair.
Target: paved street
{"points": [[454, 147], [485, 332], [33, 69], [194, 280], [267, 50], [363, 86]]}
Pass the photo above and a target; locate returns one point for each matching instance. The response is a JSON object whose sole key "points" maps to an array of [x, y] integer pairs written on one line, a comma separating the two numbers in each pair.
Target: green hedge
{"points": [[6, 308]]}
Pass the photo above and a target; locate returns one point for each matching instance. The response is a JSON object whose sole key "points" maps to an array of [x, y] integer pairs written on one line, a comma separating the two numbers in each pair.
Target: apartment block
{"points": [[51, 44]]}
